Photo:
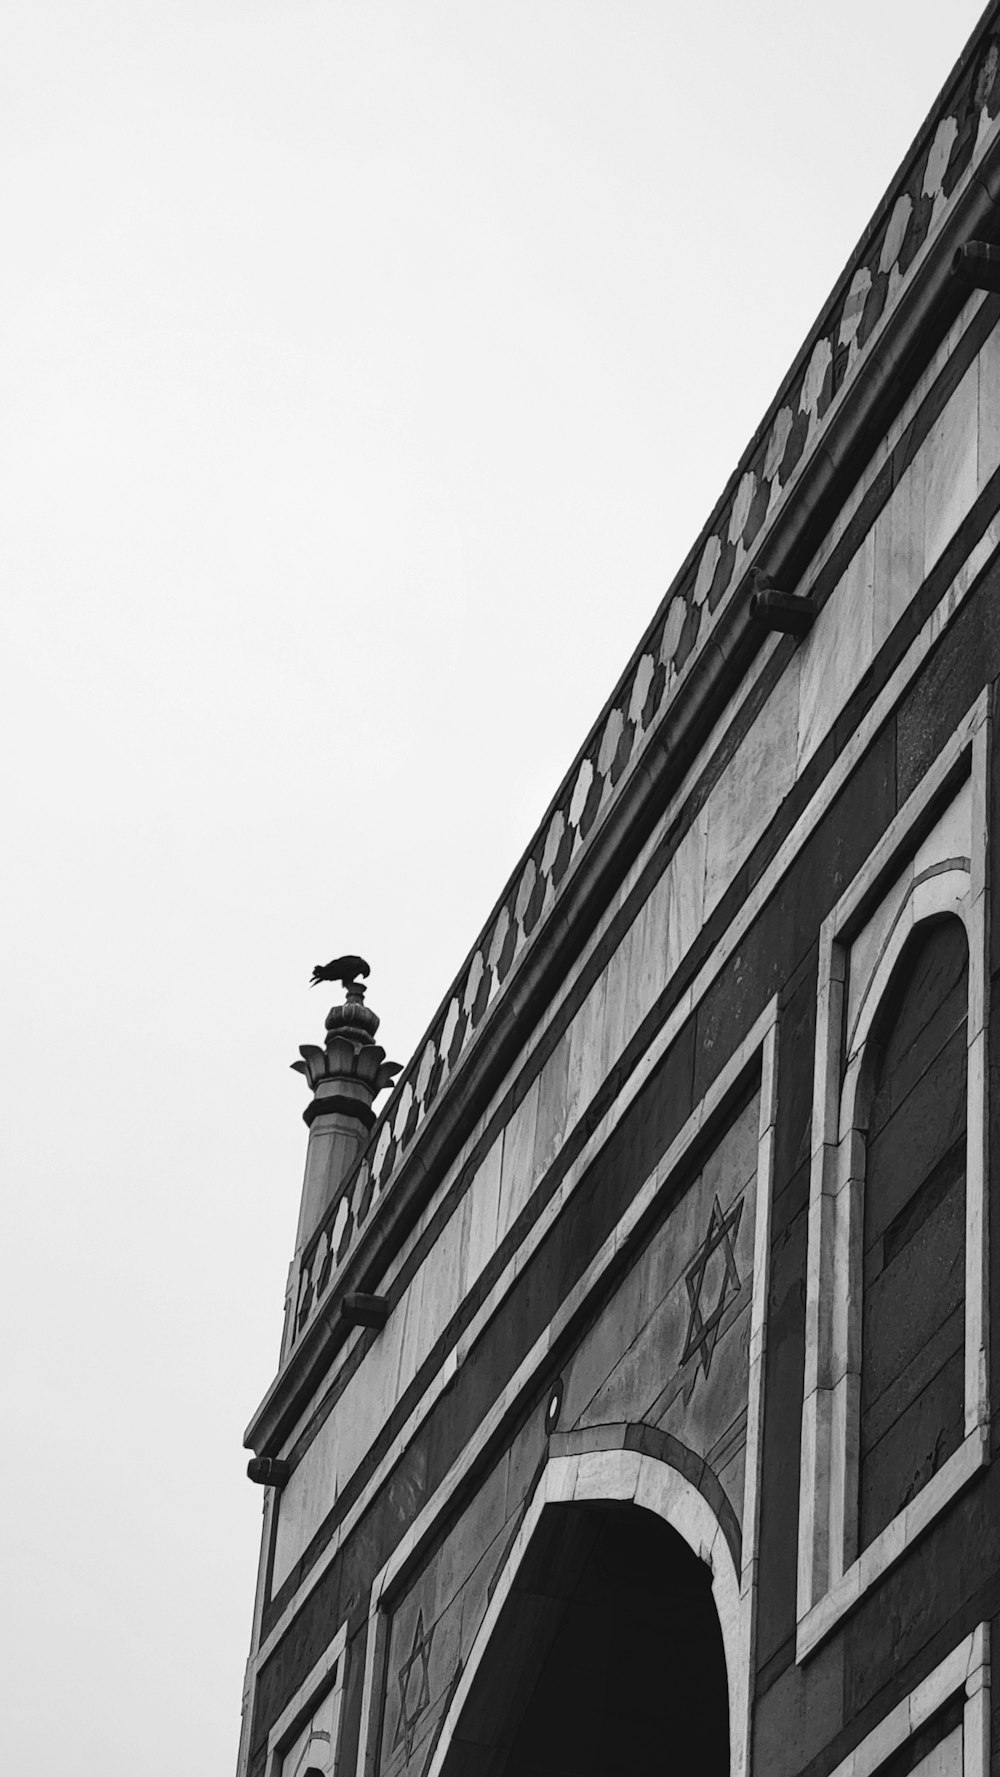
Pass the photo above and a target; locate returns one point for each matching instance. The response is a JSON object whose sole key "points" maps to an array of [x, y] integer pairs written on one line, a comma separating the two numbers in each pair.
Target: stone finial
{"points": [[350, 1066], [353, 1019], [345, 1076]]}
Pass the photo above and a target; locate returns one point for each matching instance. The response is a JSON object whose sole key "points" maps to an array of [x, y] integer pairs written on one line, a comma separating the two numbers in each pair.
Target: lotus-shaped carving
{"points": [[341, 1059]]}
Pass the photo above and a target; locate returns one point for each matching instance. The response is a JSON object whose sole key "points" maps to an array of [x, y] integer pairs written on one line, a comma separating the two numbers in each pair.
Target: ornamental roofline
{"points": [[886, 314]]}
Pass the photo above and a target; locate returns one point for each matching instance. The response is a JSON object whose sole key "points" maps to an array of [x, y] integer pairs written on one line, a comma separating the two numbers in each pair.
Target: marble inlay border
{"points": [[898, 888], [626, 1476], [935, 625], [738, 1601], [328, 1672], [934, 178], [966, 1668]]}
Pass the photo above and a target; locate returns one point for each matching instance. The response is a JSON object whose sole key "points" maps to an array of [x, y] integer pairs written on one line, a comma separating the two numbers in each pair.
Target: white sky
{"points": [[367, 367]]}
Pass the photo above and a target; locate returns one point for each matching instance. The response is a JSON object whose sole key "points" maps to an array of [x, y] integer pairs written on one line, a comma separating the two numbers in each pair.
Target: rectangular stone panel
{"points": [[670, 1346]]}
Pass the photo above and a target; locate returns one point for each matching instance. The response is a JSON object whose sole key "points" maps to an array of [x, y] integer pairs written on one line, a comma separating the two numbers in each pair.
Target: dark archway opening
{"points": [[607, 1658]]}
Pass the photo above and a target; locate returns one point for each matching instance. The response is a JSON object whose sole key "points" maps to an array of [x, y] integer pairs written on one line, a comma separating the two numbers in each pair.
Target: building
{"points": [[635, 1407]]}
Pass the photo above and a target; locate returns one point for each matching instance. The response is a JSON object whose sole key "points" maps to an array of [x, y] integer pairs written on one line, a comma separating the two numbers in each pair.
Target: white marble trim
{"points": [[948, 890], [825, 794], [628, 1475], [753, 1465], [260, 1590], [887, 1548], [310, 1693], [392, 1577], [966, 1668], [831, 1574]]}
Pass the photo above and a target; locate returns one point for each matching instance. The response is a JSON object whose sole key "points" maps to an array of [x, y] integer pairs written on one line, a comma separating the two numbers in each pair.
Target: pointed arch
{"points": [[936, 910], [911, 1114], [943, 891], [898, 1179], [684, 1494]]}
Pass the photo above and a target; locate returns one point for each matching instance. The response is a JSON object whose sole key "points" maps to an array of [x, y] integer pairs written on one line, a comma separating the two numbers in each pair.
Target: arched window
{"points": [[896, 1405], [912, 1399]]}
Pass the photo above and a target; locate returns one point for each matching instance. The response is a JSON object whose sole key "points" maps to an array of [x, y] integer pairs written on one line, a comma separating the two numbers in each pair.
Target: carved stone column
{"points": [[345, 1076]]}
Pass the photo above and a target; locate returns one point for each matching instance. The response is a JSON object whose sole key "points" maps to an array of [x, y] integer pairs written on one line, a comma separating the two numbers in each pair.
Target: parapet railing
{"points": [[943, 160]]}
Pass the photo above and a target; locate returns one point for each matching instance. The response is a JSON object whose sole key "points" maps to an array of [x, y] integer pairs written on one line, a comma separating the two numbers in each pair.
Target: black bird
{"points": [[343, 968]]}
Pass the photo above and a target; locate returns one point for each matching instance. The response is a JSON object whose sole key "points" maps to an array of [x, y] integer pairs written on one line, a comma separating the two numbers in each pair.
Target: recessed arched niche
{"points": [[912, 1111], [607, 1656], [896, 1411]]}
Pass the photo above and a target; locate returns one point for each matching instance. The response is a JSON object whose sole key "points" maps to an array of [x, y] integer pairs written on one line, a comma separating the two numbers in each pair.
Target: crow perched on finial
{"points": [[345, 969]]}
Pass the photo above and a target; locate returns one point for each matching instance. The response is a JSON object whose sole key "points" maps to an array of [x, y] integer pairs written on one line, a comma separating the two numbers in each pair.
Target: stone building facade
{"points": [[636, 1406]]}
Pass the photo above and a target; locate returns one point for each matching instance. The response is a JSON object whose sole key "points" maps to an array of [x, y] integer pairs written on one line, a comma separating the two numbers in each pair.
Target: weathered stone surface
{"points": [[598, 1277]]}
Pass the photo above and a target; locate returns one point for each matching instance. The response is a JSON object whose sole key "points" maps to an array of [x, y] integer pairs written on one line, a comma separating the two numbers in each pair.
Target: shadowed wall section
{"points": [[607, 1657], [913, 1342]]}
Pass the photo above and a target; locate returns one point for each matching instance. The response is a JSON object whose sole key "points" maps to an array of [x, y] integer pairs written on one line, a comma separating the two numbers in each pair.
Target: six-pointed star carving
{"points": [[413, 1699], [703, 1330], [413, 1677]]}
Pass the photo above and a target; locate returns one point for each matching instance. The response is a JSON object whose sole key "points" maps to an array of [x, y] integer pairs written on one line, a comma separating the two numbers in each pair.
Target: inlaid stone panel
{"points": [[314, 1749], [780, 459], [671, 1348], [434, 1623]]}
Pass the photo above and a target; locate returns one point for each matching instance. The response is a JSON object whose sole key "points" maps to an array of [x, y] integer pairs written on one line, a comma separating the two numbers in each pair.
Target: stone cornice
{"points": [[885, 317]]}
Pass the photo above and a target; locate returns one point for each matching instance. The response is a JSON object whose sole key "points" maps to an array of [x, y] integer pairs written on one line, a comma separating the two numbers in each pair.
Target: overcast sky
{"points": [[367, 368]]}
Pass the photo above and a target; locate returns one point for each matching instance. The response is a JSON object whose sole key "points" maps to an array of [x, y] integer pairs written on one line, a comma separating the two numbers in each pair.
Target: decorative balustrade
{"points": [[953, 142]]}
